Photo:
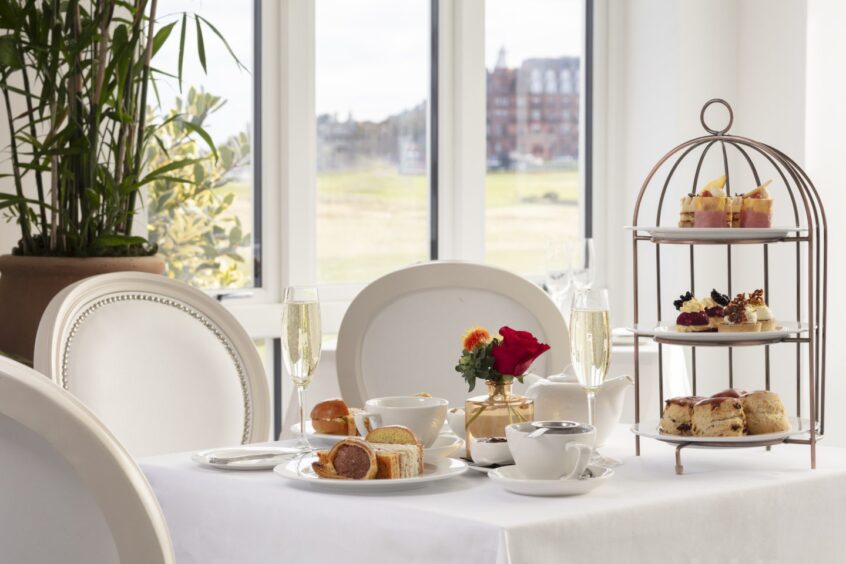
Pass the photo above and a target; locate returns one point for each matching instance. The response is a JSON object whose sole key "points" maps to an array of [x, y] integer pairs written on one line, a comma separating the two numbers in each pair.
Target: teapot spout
{"points": [[618, 383]]}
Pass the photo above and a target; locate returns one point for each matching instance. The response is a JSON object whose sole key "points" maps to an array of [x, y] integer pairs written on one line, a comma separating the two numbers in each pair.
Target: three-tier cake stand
{"points": [[807, 234]]}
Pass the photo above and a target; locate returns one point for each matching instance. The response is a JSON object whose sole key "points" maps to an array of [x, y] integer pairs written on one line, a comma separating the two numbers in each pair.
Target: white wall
{"points": [[826, 123]]}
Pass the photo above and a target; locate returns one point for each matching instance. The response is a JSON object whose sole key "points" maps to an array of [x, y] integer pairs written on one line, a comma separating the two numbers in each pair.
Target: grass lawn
{"points": [[376, 220]]}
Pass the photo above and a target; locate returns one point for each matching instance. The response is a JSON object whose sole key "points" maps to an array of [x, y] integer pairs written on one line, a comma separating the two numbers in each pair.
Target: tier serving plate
{"points": [[738, 234], [299, 470], [650, 428], [666, 332]]}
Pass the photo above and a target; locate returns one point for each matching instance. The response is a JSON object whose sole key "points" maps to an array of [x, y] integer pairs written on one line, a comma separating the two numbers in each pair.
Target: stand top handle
{"points": [[702, 116]]}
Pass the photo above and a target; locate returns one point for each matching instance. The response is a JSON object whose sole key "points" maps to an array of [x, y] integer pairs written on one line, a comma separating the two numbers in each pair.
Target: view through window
{"points": [[533, 56], [372, 77], [204, 230]]}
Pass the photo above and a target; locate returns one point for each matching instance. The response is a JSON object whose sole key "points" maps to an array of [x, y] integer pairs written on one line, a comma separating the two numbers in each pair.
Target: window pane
{"points": [[533, 57], [372, 76], [205, 230]]}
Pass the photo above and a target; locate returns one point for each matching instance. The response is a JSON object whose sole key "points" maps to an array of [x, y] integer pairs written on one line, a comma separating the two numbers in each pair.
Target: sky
{"points": [[372, 55]]}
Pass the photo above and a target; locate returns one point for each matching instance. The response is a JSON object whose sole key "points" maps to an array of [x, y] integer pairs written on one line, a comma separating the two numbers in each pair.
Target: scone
{"points": [[678, 412], [719, 417], [765, 413], [730, 393]]}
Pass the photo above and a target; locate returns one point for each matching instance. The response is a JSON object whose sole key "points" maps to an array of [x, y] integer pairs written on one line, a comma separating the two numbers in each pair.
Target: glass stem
{"points": [[591, 397], [301, 397]]}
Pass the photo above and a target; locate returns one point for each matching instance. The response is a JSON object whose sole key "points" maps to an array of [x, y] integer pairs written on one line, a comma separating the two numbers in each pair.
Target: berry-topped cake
{"points": [[739, 317], [715, 307], [692, 317], [762, 312], [711, 207], [757, 207]]}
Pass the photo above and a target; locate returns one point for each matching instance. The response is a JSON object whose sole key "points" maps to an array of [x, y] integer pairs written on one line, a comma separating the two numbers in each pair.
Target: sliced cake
{"points": [[757, 207]]}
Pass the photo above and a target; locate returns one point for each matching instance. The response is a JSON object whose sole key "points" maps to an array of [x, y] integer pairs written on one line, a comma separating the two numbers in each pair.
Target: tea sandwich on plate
{"points": [[730, 413], [387, 453]]}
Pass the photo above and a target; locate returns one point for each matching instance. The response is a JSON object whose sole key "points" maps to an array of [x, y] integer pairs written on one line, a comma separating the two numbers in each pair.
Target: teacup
{"points": [[489, 451], [424, 416], [557, 454]]}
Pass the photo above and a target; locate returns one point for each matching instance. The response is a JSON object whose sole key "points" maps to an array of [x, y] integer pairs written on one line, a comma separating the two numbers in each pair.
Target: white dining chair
{"points": [[69, 492], [402, 334], [165, 366]]}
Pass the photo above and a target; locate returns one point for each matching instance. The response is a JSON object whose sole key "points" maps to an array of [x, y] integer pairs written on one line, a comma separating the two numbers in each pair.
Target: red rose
{"points": [[516, 352]]}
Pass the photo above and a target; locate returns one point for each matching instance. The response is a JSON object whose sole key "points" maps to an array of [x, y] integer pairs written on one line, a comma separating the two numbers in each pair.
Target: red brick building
{"points": [[533, 112]]}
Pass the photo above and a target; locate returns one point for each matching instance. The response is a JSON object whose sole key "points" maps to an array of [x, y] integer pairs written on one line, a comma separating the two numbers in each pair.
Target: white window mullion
{"points": [[297, 157], [461, 124]]}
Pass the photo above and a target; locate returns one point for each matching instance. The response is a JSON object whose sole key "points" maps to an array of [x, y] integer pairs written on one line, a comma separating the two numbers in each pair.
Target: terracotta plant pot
{"points": [[27, 284]]}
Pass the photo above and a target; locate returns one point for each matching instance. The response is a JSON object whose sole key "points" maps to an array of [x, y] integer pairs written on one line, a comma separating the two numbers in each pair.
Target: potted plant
{"points": [[75, 77]]}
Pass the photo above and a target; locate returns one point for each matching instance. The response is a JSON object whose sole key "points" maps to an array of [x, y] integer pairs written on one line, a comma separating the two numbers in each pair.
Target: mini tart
{"points": [[693, 322], [724, 327]]}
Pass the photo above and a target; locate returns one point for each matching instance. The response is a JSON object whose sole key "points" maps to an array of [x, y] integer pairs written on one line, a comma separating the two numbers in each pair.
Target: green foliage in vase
{"points": [[189, 220], [74, 78], [478, 363]]}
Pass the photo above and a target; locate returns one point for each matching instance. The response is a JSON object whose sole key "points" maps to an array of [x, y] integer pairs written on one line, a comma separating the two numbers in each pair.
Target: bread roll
{"points": [[765, 413], [719, 417], [333, 417]]}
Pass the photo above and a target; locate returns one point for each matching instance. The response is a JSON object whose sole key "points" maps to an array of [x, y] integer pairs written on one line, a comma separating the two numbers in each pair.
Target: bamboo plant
{"points": [[78, 73]]}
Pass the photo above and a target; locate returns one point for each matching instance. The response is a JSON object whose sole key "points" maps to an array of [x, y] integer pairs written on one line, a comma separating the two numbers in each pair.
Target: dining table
{"points": [[729, 505]]}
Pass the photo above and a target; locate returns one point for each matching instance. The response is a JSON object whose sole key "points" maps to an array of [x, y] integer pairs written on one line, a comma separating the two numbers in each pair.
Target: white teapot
{"points": [[561, 397]]}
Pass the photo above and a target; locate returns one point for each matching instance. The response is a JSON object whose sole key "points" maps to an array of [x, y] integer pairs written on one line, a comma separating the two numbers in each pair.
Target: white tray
{"points": [[718, 233], [666, 331], [650, 428]]}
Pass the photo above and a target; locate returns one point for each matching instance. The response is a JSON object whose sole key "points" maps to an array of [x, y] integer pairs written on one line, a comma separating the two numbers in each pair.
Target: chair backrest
{"points": [[70, 493], [165, 366], [402, 333]]}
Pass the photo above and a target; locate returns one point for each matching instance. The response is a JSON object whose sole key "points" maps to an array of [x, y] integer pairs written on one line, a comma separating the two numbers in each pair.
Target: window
{"points": [[208, 233], [371, 88], [532, 190]]}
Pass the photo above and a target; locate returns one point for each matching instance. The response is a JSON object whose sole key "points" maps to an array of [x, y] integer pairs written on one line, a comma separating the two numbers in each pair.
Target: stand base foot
{"points": [[679, 465]]}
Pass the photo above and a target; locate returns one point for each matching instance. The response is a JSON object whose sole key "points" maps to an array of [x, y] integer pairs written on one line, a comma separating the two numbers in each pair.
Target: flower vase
{"points": [[488, 415]]}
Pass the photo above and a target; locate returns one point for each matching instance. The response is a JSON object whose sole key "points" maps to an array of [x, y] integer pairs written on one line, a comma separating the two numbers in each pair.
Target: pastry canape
{"points": [[677, 416], [719, 417], [757, 207], [715, 307], [692, 317], [711, 206], [686, 213], [739, 317], [765, 413], [762, 311]]}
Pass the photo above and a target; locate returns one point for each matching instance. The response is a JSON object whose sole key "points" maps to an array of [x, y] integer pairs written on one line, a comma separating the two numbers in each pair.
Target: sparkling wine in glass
{"points": [[590, 348], [301, 342]]}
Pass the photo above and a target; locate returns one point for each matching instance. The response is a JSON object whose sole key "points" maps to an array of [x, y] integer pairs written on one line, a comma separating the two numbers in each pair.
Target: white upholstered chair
{"points": [[70, 493], [402, 333], [166, 367]]}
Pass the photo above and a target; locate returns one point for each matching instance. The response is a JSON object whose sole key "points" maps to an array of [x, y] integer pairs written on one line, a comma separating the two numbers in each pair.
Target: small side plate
{"points": [[204, 458], [510, 478]]}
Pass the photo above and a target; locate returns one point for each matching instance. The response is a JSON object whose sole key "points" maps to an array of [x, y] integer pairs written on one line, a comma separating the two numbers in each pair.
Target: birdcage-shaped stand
{"points": [[808, 235]]}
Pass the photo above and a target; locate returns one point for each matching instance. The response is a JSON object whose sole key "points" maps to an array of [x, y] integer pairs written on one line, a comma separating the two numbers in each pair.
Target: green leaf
{"points": [[182, 47], [119, 240], [223, 39], [204, 135], [9, 53], [201, 46], [161, 37]]}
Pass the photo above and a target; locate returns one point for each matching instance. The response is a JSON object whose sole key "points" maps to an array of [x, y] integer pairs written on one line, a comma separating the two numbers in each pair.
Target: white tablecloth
{"points": [[744, 505]]}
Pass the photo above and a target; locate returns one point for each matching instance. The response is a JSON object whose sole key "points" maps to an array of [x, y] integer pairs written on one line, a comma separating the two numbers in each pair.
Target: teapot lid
{"points": [[563, 427]]}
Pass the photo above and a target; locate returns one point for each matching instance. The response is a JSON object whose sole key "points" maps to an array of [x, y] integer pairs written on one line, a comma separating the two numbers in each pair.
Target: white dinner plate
{"points": [[650, 428], [510, 478], [204, 458], [667, 331], [719, 233], [332, 439], [299, 470]]}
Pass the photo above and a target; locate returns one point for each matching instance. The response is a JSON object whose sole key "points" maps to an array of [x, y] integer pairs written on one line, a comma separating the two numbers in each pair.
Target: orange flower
{"points": [[474, 337]]}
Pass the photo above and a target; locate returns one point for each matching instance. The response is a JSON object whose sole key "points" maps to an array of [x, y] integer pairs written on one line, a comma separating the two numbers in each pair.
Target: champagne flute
{"points": [[301, 341], [558, 272], [590, 349], [582, 259]]}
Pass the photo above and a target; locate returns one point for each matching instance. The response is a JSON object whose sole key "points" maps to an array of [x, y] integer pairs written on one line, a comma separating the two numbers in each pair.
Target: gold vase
{"points": [[488, 415]]}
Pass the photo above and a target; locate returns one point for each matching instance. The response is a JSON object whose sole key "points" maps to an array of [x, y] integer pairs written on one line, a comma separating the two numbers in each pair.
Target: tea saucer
{"points": [[510, 478], [443, 446]]}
